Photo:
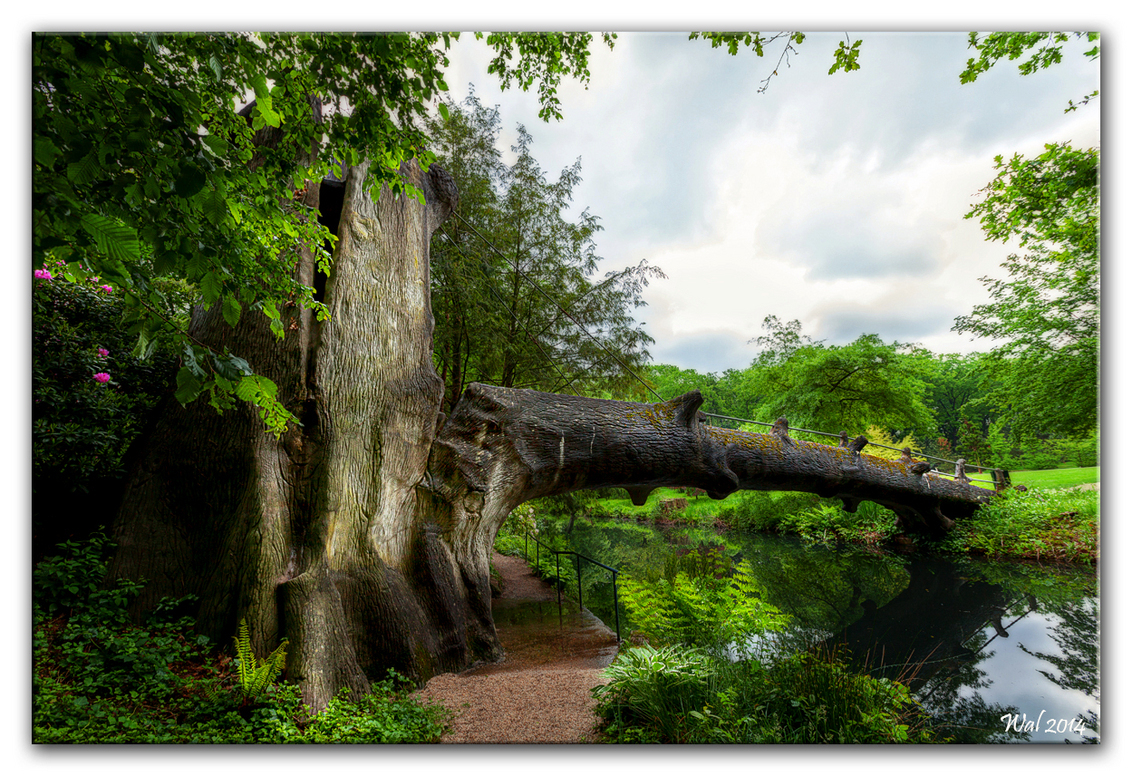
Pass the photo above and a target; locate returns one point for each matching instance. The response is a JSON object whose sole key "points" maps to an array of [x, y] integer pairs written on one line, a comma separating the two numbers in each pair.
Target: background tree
{"points": [[513, 288], [955, 382], [834, 388], [1047, 310]]}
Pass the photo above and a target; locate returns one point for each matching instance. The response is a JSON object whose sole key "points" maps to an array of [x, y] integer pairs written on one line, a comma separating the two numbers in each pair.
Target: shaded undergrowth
{"points": [[98, 677]]}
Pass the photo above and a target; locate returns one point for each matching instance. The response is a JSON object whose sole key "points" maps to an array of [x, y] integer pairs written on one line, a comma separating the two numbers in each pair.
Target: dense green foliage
{"points": [[143, 170], [1043, 524], [708, 673], [703, 601], [1048, 310], [830, 388], [98, 677], [512, 291], [678, 695], [91, 397]]}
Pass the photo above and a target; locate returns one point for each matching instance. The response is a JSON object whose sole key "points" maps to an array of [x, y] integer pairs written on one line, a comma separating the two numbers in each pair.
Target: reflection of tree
{"points": [[1077, 637], [1090, 721], [921, 620], [970, 720], [822, 588]]}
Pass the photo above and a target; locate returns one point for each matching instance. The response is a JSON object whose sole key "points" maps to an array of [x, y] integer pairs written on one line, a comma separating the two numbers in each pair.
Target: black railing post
{"points": [[578, 567], [558, 582], [616, 608]]}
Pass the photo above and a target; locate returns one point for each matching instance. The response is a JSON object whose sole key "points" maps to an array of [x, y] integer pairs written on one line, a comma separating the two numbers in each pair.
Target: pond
{"points": [[997, 652]]}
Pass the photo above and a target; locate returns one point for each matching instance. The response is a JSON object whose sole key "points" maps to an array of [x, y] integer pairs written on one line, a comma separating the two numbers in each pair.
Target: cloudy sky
{"points": [[837, 200]]}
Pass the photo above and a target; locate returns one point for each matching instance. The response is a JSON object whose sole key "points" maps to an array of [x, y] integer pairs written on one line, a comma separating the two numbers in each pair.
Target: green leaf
{"points": [[231, 311], [189, 357], [215, 206], [113, 238], [254, 388], [45, 151], [216, 145], [259, 86], [188, 386], [85, 170], [212, 288], [443, 109]]}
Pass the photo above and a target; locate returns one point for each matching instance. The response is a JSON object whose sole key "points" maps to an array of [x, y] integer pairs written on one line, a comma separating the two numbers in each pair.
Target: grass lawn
{"points": [[1055, 478]]}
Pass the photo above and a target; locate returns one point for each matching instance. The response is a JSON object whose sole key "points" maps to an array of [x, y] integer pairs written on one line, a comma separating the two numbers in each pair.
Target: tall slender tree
{"points": [[514, 293]]}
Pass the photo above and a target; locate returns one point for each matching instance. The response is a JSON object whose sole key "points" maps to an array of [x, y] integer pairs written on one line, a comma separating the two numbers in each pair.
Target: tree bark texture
{"points": [[320, 536], [504, 446]]}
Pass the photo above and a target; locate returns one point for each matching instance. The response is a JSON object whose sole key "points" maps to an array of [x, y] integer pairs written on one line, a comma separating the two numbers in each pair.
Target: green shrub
{"points": [[827, 523], [678, 694], [651, 692], [704, 609], [815, 699], [1056, 525], [81, 427]]}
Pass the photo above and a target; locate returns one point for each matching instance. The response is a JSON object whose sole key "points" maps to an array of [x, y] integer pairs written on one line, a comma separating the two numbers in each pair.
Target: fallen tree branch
{"points": [[504, 446]]}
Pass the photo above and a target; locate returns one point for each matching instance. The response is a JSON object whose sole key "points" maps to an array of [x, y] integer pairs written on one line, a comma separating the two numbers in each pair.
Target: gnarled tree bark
{"points": [[504, 446]]}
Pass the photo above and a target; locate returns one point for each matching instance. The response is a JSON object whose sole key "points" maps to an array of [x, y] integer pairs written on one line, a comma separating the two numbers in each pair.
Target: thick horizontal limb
{"points": [[504, 446]]}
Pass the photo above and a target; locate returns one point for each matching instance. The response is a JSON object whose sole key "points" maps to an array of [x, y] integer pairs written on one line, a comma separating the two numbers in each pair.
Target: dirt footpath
{"points": [[540, 693]]}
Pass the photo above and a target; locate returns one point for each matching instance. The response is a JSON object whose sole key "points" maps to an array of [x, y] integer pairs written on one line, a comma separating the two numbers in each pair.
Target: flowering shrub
{"points": [[82, 419]]}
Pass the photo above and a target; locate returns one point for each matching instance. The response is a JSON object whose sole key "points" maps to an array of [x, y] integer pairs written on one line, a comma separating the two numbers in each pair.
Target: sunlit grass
{"points": [[1056, 478]]}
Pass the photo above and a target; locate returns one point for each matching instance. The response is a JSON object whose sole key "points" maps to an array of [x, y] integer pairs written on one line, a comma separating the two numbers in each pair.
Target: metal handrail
{"points": [[578, 558], [837, 436]]}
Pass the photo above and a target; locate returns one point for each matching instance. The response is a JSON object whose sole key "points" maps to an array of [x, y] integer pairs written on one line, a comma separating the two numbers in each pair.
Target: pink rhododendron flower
{"points": [[103, 352], [102, 377], [107, 289], [43, 274]]}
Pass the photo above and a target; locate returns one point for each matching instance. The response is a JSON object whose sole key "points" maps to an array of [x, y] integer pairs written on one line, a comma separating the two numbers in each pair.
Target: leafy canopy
{"points": [[143, 170], [1047, 310], [1045, 49], [832, 388]]}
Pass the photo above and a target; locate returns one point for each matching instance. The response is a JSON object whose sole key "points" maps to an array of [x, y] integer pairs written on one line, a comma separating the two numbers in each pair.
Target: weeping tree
{"points": [[360, 525]]}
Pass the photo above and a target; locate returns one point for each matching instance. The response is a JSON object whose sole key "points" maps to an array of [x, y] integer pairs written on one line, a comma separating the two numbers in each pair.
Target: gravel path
{"points": [[540, 693]]}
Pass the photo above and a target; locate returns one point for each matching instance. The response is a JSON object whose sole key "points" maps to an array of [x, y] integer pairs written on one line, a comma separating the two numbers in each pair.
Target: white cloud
{"points": [[837, 200]]}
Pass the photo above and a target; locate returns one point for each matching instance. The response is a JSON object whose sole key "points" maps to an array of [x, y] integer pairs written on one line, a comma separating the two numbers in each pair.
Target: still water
{"points": [[997, 652]]}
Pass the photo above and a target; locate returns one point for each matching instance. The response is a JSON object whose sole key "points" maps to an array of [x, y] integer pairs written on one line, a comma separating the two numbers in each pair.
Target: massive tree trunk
{"points": [[320, 536], [362, 536]]}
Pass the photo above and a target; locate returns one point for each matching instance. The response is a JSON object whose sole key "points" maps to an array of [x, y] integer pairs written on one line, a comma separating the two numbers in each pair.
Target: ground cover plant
{"points": [[1039, 523], [100, 678]]}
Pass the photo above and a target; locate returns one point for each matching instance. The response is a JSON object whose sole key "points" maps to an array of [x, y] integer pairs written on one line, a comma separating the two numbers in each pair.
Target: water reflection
{"points": [[997, 652]]}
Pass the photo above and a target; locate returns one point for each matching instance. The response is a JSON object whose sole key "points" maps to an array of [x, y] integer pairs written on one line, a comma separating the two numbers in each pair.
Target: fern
{"points": [[255, 676]]}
